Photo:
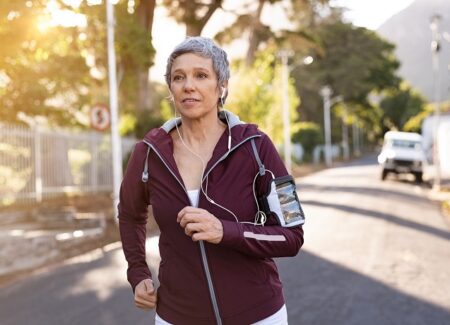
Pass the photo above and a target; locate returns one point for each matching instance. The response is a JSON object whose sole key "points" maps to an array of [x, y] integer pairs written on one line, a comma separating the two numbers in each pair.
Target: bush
{"points": [[309, 135]]}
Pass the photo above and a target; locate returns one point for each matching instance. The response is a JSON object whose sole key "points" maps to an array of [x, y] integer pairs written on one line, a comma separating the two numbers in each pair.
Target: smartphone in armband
{"points": [[282, 201]]}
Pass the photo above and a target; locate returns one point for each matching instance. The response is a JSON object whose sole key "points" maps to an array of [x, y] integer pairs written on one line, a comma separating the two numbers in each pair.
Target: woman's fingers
{"points": [[192, 228], [189, 210], [145, 295], [192, 218], [146, 301], [144, 304]]}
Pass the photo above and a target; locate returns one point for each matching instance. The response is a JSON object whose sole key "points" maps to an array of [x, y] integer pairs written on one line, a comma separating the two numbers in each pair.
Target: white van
{"points": [[402, 153]]}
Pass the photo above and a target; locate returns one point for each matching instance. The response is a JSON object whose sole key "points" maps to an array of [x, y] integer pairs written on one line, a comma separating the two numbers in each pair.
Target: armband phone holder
{"points": [[282, 202]]}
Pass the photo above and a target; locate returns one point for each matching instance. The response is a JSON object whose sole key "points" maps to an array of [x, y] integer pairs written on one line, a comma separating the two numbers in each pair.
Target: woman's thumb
{"points": [[148, 286]]}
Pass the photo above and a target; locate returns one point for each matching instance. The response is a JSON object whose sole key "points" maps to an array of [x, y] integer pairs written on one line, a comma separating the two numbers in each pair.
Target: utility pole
{"points": [[435, 49], [285, 55], [113, 102], [326, 92], [345, 147]]}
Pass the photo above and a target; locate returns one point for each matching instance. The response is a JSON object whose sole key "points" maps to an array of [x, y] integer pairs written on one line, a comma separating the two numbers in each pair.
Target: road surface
{"points": [[375, 253]]}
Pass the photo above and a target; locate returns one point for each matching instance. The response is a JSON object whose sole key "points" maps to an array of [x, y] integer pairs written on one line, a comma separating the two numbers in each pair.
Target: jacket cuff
{"points": [[232, 233], [136, 279]]}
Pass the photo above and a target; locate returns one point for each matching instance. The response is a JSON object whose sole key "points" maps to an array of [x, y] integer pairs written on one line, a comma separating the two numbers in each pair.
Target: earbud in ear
{"points": [[224, 90]]}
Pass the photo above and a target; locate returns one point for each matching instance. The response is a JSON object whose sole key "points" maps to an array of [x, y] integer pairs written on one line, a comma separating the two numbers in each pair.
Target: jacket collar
{"points": [[224, 115], [161, 140]]}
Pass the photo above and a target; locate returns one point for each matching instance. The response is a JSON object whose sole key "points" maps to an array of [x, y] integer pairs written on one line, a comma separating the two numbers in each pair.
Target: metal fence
{"points": [[35, 163]]}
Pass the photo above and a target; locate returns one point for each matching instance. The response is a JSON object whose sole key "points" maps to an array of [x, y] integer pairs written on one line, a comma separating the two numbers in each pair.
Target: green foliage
{"points": [[127, 124], [146, 121], [414, 123], [300, 14], [255, 94], [309, 135], [354, 62], [399, 105], [57, 72]]}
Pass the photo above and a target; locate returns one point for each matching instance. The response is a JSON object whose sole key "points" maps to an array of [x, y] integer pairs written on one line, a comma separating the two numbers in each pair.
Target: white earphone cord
{"points": [[263, 215]]}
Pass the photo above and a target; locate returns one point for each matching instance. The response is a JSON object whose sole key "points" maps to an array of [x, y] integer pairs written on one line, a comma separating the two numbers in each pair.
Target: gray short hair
{"points": [[204, 47]]}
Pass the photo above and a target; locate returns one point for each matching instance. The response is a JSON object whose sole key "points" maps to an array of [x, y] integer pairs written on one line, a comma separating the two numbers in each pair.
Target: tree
{"points": [[354, 62], [56, 69], [256, 94], [399, 105], [299, 12], [194, 14], [145, 12]]}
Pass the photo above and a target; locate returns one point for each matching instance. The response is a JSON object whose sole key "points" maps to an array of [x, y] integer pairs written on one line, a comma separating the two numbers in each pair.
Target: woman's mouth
{"points": [[190, 100]]}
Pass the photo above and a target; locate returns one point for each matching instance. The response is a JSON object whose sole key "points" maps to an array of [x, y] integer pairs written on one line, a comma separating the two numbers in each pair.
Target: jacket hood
{"points": [[239, 129]]}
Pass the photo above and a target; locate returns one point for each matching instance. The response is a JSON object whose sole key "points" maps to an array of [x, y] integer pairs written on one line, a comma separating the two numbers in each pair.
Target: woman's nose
{"points": [[189, 84]]}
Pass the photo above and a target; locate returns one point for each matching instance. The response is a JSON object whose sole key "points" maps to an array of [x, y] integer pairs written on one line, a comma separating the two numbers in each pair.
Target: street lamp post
{"points": [[285, 55], [435, 49], [326, 92], [285, 71], [115, 138]]}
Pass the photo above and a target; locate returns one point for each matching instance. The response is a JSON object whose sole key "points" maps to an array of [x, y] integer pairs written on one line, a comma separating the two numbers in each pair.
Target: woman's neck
{"points": [[197, 133]]}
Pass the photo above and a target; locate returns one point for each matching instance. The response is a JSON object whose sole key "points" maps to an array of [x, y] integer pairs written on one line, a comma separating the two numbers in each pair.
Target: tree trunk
{"points": [[193, 29], [253, 40], [145, 12], [195, 25]]}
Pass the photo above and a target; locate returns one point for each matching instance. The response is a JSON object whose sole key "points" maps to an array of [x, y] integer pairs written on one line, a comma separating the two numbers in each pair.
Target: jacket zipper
{"points": [[201, 243], [227, 153], [167, 166]]}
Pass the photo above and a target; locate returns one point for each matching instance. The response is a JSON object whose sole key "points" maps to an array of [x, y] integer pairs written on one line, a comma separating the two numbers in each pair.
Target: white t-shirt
{"points": [[279, 318], [193, 197]]}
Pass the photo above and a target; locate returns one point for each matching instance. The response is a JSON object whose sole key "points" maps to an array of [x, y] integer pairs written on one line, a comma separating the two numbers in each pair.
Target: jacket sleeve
{"points": [[270, 240], [133, 208]]}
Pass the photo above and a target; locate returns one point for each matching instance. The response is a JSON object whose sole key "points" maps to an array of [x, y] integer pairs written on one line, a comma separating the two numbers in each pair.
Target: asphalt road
{"points": [[375, 253]]}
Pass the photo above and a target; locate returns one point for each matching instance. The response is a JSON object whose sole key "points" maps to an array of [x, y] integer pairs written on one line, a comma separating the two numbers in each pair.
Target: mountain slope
{"points": [[410, 31]]}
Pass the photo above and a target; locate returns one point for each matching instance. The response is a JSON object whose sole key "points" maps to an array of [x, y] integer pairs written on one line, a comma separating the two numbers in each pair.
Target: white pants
{"points": [[279, 318]]}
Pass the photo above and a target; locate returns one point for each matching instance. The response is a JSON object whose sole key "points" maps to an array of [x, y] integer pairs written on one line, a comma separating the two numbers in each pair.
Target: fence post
{"points": [[94, 162], [38, 164]]}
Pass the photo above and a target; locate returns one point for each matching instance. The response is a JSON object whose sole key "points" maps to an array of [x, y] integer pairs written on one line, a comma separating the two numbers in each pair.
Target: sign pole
{"points": [[115, 138]]}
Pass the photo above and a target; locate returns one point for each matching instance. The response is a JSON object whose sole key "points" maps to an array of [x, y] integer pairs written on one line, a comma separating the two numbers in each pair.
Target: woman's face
{"points": [[194, 85]]}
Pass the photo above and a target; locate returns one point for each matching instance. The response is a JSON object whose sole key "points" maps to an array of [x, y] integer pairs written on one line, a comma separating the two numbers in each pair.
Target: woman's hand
{"points": [[145, 295], [199, 224]]}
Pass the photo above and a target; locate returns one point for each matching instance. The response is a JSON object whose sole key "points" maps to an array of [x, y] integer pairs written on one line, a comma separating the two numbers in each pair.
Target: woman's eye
{"points": [[176, 78], [202, 75]]}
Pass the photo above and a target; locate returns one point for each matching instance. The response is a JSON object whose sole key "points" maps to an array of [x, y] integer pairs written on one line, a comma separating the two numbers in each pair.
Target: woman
{"points": [[201, 173]]}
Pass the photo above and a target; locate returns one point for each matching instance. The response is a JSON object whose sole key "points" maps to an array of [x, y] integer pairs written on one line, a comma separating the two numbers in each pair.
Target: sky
{"points": [[371, 13], [167, 34]]}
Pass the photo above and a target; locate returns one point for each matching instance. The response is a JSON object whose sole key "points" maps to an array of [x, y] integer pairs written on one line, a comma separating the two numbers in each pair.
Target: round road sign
{"points": [[100, 117]]}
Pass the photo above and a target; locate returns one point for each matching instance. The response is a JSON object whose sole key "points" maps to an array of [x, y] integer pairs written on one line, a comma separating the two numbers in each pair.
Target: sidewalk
{"points": [[39, 236], [443, 194]]}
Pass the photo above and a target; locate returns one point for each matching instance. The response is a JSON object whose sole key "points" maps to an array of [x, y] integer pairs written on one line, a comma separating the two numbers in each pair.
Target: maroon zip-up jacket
{"points": [[233, 282]]}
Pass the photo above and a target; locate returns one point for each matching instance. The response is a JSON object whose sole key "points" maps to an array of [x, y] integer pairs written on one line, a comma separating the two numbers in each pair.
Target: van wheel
{"points": [[418, 177], [384, 174]]}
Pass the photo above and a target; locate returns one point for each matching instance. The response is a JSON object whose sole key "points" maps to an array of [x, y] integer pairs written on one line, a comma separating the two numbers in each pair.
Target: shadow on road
{"points": [[384, 216], [321, 292], [317, 292], [364, 190], [90, 292]]}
